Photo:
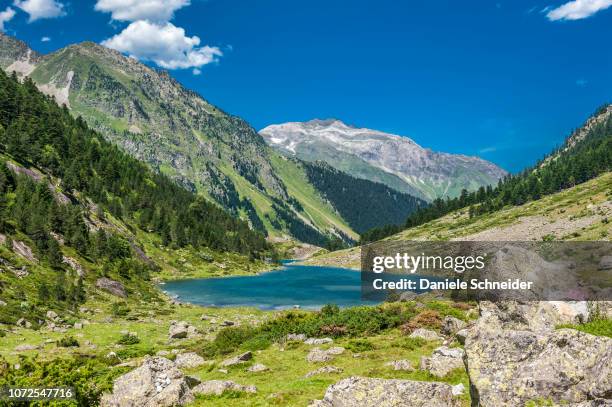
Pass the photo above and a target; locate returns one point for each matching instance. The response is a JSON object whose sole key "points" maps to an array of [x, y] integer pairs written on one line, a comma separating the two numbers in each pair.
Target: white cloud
{"points": [[578, 9], [164, 44], [133, 10], [5, 16], [196, 71], [38, 9], [45, 39]]}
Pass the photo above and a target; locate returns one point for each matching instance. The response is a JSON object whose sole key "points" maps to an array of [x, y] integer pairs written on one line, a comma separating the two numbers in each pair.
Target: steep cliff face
{"points": [[396, 161]]}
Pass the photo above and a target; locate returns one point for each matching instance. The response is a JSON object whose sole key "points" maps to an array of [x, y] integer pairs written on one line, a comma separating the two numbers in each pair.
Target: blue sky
{"points": [[505, 80]]}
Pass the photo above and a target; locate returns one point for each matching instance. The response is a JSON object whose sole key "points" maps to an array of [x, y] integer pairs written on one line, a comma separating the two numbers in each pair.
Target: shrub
{"points": [[427, 319], [67, 342], [119, 309], [360, 345], [128, 339], [412, 343]]}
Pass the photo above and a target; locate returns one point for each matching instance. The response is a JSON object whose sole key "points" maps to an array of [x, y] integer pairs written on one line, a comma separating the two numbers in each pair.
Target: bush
{"points": [[128, 339], [360, 345], [427, 319], [120, 309], [89, 377], [412, 343], [68, 342]]}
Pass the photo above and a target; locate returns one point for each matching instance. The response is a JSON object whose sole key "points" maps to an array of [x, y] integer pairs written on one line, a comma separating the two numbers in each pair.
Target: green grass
{"points": [[599, 327]]}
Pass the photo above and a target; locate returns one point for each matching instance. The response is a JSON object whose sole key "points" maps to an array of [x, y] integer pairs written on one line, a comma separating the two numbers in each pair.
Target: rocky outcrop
{"points": [[403, 364], [189, 360], [111, 286], [361, 392], [317, 355], [426, 334], [181, 330], [443, 361], [318, 341], [451, 325], [236, 360], [324, 370], [157, 383], [515, 354], [258, 367], [218, 387]]}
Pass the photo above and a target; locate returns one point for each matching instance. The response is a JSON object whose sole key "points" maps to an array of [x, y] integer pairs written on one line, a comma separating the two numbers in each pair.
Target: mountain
{"points": [[151, 116], [174, 130], [77, 213], [396, 161]]}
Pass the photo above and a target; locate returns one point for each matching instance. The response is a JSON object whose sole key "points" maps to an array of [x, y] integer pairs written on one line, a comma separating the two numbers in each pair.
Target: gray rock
{"points": [[156, 383], [450, 325], [317, 355], [318, 341], [25, 347], [295, 337], [605, 263], [461, 335], [403, 364], [236, 360], [2, 303], [218, 387], [508, 367], [363, 392], [443, 361], [426, 334], [228, 323], [78, 325], [178, 330], [111, 286], [324, 370], [24, 323], [52, 315], [189, 360], [258, 367], [336, 350], [458, 389]]}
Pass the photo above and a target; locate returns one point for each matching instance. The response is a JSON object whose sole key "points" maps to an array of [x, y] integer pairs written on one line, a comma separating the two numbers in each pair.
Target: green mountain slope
{"points": [[74, 209], [174, 130], [364, 204]]}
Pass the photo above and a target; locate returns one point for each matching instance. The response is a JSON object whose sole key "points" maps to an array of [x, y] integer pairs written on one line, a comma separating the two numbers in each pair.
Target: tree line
{"points": [[562, 169]]}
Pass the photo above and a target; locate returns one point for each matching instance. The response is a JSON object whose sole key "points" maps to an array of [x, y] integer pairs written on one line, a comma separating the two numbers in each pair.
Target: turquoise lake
{"points": [[305, 286]]}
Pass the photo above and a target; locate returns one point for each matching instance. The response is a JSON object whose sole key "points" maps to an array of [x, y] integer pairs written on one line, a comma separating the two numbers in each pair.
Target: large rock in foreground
{"points": [[157, 383], [509, 367], [366, 392]]}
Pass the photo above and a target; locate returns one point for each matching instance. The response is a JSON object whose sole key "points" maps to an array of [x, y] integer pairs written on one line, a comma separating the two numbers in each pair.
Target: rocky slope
{"points": [[393, 160]]}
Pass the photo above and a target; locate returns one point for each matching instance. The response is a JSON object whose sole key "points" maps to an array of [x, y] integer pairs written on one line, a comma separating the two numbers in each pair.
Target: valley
{"points": [[134, 200]]}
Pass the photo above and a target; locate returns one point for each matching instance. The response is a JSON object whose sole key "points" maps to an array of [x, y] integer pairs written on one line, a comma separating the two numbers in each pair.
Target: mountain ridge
{"points": [[423, 172]]}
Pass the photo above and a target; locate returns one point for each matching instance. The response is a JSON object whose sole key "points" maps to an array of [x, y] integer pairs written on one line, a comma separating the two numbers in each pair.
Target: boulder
{"points": [[24, 323], [25, 347], [111, 286], [403, 364], [426, 334], [156, 383], [461, 335], [295, 337], [458, 389], [318, 341], [317, 355], [258, 367], [605, 263], [336, 350], [324, 370], [236, 360], [450, 325], [218, 387], [362, 391], [52, 315], [510, 367], [189, 360], [178, 330], [443, 361]]}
